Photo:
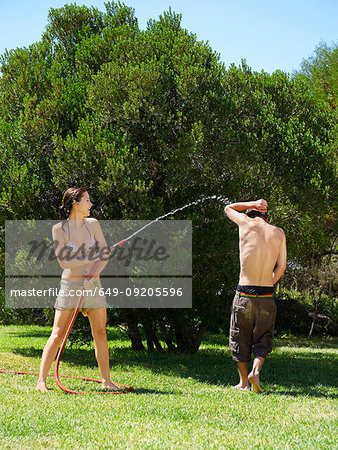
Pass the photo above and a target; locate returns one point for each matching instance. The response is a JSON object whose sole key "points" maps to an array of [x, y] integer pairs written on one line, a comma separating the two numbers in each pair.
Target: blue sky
{"points": [[269, 34]]}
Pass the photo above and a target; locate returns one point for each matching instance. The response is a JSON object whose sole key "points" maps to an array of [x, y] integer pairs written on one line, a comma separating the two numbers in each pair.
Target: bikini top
{"points": [[92, 244]]}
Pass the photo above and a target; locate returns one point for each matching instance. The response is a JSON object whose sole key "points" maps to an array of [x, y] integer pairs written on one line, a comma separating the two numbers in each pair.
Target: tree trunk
{"points": [[188, 341], [315, 311], [166, 337], [152, 339], [129, 317]]}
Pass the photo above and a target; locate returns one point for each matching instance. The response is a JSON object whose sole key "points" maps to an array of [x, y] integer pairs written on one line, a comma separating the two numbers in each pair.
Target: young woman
{"points": [[81, 239]]}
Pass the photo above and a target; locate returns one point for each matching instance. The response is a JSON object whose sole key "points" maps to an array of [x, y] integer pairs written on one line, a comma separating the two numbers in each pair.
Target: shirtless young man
{"points": [[262, 262]]}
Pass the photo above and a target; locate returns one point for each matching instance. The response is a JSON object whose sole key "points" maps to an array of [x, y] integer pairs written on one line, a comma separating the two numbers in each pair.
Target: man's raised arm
{"points": [[233, 210]]}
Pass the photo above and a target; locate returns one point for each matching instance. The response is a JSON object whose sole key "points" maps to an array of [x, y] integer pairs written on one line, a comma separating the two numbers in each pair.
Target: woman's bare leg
{"points": [[61, 322], [98, 320]]}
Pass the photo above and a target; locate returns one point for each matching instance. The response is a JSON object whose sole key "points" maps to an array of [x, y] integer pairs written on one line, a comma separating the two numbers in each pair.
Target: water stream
{"points": [[220, 198]]}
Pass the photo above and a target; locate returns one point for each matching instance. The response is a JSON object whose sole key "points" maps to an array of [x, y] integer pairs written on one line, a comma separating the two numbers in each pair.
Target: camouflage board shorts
{"points": [[252, 322]]}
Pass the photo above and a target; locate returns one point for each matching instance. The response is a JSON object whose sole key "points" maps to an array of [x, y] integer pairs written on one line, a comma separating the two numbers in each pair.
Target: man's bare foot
{"points": [[41, 386], [241, 387], [110, 385], [254, 380]]}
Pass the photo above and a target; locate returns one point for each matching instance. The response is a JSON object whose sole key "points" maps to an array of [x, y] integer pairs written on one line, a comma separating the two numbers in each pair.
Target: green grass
{"points": [[180, 401]]}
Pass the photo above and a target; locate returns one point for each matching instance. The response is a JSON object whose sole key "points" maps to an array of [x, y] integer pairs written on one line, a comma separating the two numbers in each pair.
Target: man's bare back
{"points": [[261, 246]]}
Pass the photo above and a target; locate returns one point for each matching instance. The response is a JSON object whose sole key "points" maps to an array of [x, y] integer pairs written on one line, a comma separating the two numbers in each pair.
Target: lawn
{"points": [[179, 401]]}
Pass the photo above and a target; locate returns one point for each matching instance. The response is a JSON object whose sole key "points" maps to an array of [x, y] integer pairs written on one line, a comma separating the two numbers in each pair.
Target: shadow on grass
{"points": [[88, 390], [286, 372], [305, 342], [316, 341], [34, 333], [29, 334]]}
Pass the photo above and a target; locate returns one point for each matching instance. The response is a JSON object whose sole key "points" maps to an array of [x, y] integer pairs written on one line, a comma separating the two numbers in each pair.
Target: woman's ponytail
{"points": [[64, 212]]}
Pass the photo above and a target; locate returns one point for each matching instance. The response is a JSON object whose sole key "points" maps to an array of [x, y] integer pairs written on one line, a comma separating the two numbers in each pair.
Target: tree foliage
{"points": [[320, 73]]}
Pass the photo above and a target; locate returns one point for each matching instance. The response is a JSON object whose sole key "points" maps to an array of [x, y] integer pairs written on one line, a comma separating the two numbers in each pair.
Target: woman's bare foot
{"points": [[41, 386], [254, 380], [110, 385], [241, 387]]}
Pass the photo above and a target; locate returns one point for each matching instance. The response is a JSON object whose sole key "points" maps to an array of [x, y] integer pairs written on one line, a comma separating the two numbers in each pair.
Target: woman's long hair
{"points": [[69, 197]]}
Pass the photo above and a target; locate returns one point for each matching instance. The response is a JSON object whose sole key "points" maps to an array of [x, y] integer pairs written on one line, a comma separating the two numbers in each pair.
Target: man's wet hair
{"points": [[252, 213]]}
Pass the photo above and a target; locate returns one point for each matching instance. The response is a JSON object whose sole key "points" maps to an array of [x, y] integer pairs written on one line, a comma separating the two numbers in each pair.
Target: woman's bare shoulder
{"points": [[91, 220], [57, 228]]}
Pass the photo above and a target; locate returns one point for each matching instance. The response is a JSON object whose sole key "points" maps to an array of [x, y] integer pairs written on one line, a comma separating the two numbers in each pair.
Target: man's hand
{"points": [[261, 205]]}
